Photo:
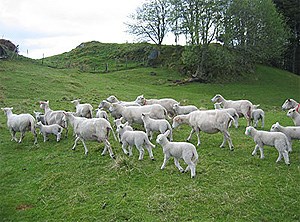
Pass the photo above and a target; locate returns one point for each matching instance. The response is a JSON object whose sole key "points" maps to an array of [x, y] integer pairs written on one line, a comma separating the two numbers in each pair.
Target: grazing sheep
{"points": [[40, 117], [276, 139], [178, 150], [83, 110], [133, 114], [167, 103], [256, 115], [50, 129], [91, 129], [158, 125], [232, 112], [19, 123], [113, 99], [182, 110], [209, 121], [137, 138], [100, 113], [242, 107], [289, 104], [54, 117], [292, 132], [292, 113]]}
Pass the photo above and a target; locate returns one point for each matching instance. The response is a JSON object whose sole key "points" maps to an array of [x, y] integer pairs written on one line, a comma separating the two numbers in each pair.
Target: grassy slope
{"points": [[51, 182]]}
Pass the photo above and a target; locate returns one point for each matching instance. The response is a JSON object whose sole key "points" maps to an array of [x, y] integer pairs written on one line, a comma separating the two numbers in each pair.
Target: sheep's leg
{"points": [[191, 166], [13, 135], [171, 135], [75, 143], [177, 164], [255, 150], [130, 150], [198, 136], [21, 137], [166, 158], [141, 150], [58, 136], [190, 136], [255, 123], [236, 122], [108, 146], [279, 157], [228, 138], [224, 141], [261, 149], [286, 157], [124, 144], [149, 148], [45, 137], [262, 122], [85, 147]]}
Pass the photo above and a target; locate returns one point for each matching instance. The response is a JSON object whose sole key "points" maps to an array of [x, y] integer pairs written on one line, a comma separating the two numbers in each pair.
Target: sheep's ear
{"points": [[126, 124], [167, 133], [143, 114], [11, 108], [289, 100]]}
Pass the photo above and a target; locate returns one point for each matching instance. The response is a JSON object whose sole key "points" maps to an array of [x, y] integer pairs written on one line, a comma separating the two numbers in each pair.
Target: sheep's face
{"points": [[159, 138], [291, 112], [43, 104], [274, 127], [176, 122], [112, 99], [287, 104], [7, 110], [217, 98], [248, 130], [140, 100]]}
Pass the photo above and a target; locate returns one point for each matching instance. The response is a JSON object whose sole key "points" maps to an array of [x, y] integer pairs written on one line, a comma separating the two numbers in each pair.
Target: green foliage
{"points": [[50, 182]]}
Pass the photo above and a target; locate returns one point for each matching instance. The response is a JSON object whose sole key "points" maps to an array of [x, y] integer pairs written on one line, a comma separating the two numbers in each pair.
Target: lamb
{"points": [[83, 110], [292, 113], [91, 129], [54, 117], [242, 107], [276, 139], [232, 112], [209, 121], [178, 150], [182, 110], [167, 103], [100, 113], [137, 138], [289, 104], [118, 122], [40, 117], [113, 99], [106, 106], [19, 123], [50, 129], [256, 115], [133, 114], [292, 132], [159, 125]]}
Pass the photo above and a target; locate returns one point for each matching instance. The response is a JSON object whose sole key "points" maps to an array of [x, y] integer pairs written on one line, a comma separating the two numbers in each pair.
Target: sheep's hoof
{"points": [[193, 177], [182, 171], [288, 164], [113, 157], [152, 159], [232, 149]]}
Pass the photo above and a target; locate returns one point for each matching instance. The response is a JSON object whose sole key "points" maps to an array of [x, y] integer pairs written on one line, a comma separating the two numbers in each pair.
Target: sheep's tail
{"points": [[195, 157], [147, 141], [289, 145]]}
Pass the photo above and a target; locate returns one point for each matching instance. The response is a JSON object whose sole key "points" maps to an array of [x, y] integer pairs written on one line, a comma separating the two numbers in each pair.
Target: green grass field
{"points": [[50, 182]]}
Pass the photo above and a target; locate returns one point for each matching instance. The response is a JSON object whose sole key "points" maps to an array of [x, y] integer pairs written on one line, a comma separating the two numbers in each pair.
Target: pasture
{"points": [[50, 182]]}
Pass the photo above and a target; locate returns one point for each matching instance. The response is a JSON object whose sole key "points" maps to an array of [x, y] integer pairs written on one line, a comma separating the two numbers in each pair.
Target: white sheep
{"points": [[40, 117], [133, 114], [232, 112], [208, 121], [54, 117], [137, 138], [292, 132], [167, 103], [83, 110], [256, 115], [113, 99], [156, 125], [292, 113], [242, 107], [106, 106], [19, 123], [91, 129], [178, 150], [100, 113], [182, 110], [276, 139], [118, 122], [50, 129], [289, 104]]}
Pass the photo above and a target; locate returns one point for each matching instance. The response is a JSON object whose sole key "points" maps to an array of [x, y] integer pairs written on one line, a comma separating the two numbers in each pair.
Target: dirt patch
{"points": [[24, 207]]}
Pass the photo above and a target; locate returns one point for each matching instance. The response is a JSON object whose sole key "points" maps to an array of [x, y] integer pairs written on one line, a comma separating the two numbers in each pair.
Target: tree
{"points": [[150, 21]]}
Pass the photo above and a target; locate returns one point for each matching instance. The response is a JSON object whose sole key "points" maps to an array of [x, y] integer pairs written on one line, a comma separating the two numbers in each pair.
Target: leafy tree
{"points": [[150, 21]]}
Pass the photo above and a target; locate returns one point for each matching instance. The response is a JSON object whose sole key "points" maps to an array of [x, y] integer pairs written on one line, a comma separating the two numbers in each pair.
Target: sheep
{"points": [[289, 104], [178, 150], [19, 123], [242, 107], [292, 132], [91, 129], [100, 113], [292, 113], [40, 117], [277, 139], [106, 106], [54, 117], [117, 123], [137, 138], [167, 103], [232, 112], [182, 110], [256, 115], [113, 99], [133, 114], [83, 110], [50, 129], [209, 121], [159, 125]]}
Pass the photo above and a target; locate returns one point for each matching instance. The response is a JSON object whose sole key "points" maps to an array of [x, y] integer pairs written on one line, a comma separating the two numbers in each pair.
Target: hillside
{"points": [[50, 182]]}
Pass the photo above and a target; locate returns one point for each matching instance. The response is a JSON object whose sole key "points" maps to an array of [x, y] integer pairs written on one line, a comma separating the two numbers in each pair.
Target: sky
{"points": [[50, 27]]}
